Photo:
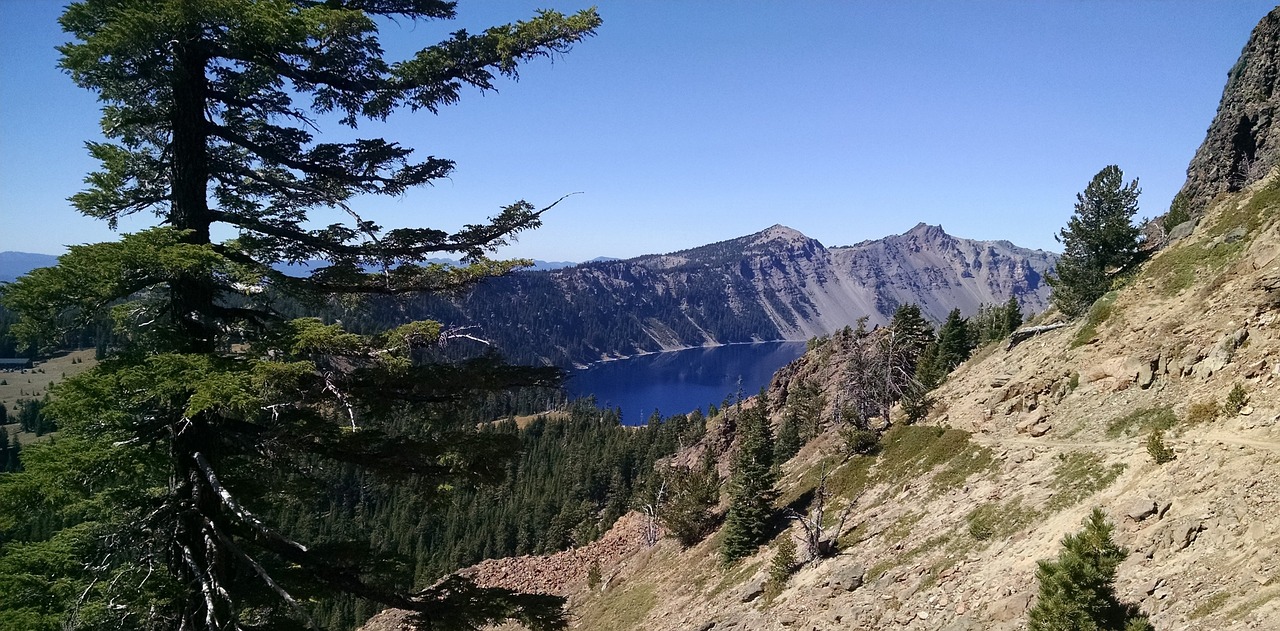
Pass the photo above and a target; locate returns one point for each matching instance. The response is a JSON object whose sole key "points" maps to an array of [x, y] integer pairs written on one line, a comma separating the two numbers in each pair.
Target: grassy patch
{"points": [[1258, 600], [34, 383], [734, 577], [851, 478], [901, 527], [973, 459], [621, 609], [1078, 475], [932, 543], [997, 520], [1214, 603], [909, 451], [1144, 420], [1251, 216], [1100, 312], [1180, 266]]}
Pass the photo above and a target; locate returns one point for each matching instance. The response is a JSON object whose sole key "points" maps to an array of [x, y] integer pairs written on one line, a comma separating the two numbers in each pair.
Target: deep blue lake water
{"points": [[681, 381]]}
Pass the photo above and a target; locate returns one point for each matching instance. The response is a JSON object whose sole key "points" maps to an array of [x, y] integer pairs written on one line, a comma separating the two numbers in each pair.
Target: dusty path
{"points": [[1218, 436]]}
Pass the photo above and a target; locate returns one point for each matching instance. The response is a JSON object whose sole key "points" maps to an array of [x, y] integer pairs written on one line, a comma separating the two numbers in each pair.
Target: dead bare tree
{"points": [[651, 511], [820, 542]]}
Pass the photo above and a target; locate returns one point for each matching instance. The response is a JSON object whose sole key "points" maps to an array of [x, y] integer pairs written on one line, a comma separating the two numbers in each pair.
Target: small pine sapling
{"points": [[1160, 452], [1236, 400]]}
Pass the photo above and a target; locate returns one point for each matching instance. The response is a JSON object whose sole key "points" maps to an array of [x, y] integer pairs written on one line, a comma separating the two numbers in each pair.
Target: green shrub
{"points": [[1179, 213], [859, 441], [1236, 400], [1159, 452], [1099, 313], [593, 574], [783, 564]]}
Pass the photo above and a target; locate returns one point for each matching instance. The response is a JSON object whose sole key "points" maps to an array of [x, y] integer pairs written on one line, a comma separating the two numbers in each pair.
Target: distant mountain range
{"points": [[16, 264], [776, 284]]}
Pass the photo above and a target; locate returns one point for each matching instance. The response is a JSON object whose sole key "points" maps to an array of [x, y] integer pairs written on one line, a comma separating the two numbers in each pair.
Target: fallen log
{"points": [[1023, 334]]}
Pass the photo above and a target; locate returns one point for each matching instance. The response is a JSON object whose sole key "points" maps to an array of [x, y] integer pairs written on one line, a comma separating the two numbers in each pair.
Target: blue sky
{"points": [[685, 123]]}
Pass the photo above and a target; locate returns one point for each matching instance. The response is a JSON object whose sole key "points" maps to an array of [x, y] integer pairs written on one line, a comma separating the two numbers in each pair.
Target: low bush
{"points": [[1202, 411]]}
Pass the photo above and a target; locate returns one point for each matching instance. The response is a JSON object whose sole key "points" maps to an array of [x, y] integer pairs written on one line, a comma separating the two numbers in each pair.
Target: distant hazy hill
{"points": [[775, 284], [15, 264]]}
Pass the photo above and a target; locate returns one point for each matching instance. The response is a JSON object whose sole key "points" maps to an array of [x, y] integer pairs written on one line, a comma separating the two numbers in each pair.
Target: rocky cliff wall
{"points": [[1243, 142]]}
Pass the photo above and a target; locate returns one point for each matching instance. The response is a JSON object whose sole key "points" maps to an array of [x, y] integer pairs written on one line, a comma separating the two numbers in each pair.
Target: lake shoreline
{"points": [[606, 360]]}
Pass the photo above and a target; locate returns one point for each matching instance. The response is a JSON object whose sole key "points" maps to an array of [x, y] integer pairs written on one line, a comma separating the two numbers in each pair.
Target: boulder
{"points": [[847, 577], [752, 590], [1182, 230], [1146, 374], [1009, 607], [1040, 429], [1142, 509]]}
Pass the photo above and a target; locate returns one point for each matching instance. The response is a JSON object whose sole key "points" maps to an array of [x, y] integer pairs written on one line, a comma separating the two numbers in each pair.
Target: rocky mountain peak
{"points": [[778, 234], [1243, 142]]}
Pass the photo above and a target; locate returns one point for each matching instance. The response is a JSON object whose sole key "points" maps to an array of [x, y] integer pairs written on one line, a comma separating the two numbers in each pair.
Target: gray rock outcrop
{"points": [[1243, 143]]}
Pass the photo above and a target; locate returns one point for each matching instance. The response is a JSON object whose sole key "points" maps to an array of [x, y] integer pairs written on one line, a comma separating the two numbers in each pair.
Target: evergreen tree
{"points": [[751, 493], [902, 349], [692, 494], [913, 332], [1099, 239], [1077, 591], [953, 342], [788, 441], [1012, 316], [210, 408]]}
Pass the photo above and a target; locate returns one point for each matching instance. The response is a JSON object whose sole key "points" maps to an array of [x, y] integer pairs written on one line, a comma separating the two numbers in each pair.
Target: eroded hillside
{"points": [[952, 514]]}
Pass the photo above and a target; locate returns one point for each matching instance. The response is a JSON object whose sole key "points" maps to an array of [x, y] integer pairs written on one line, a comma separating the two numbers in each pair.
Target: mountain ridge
{"points": [[775, 284]]}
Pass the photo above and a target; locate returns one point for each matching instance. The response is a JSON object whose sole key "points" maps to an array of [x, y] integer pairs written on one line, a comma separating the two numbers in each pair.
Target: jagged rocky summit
{"points": [[776, 284]]}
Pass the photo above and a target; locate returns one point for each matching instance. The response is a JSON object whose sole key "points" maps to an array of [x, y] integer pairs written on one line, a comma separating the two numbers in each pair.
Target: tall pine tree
{"points": [[751, 479], [209, 406], [1099, 240]]}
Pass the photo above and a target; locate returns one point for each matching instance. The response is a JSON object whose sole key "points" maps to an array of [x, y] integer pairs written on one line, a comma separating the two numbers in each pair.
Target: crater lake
{"points": [[676, 382]]}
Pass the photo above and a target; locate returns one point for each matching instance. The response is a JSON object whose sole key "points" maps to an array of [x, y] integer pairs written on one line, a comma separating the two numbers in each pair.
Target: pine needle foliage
{"points": [[1098, 241], [751, 491], [1077, 590], [153, 509]]}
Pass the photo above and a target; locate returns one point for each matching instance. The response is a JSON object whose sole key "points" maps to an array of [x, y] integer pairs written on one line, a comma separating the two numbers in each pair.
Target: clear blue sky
{"points": [[691, 122]]}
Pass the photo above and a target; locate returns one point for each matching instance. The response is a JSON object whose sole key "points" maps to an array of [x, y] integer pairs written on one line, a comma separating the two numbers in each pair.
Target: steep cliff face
{"points": [[1243, 143], [772, 285]]}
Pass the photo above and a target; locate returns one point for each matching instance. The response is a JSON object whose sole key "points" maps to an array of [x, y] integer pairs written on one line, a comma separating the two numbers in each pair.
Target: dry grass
{"points": [[35, 383]]}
